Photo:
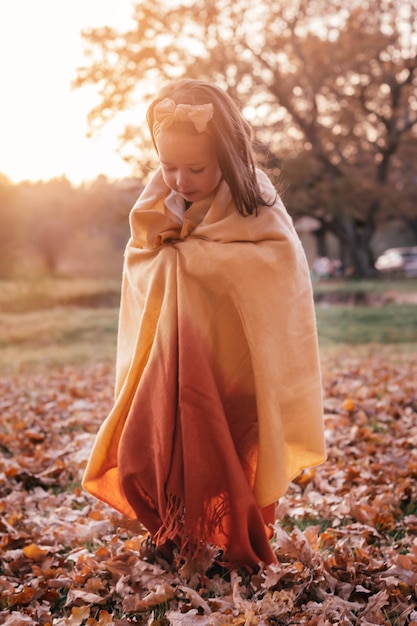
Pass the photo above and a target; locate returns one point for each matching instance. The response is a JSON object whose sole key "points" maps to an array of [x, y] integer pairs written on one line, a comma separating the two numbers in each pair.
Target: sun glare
{"points": [[43, 123]]}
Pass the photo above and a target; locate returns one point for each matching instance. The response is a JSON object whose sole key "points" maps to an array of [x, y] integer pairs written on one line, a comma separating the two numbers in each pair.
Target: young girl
{"points": [[218, 399]]}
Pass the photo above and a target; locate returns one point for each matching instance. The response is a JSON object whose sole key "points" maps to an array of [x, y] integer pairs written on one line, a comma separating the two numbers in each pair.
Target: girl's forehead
{"points": [[180, 146]]}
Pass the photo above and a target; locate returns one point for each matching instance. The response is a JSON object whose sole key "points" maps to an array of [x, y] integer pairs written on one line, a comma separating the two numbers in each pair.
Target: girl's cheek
{"points": [[168, 179]]}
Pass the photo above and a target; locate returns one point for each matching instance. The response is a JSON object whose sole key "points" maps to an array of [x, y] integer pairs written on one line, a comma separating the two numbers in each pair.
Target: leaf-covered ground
{"points": [[346, 532]]}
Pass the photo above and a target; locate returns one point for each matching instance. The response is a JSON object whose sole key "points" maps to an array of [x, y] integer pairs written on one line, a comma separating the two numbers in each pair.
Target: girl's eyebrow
{"points": [[198, 163]]}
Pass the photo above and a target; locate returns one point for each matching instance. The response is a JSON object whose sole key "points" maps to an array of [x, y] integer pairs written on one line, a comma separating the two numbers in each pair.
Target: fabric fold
{"points": [[218, 398]]}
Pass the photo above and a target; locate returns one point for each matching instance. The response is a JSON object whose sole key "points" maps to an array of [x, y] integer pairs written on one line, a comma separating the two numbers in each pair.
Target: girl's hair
{"points": [[232, 138]]}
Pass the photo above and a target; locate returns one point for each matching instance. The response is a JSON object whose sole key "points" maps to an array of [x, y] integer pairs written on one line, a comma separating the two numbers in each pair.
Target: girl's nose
{"points": [[182, 179]]}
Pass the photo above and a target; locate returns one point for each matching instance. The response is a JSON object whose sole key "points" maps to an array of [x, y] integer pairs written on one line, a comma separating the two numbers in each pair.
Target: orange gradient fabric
{"points": [[218, 399]]}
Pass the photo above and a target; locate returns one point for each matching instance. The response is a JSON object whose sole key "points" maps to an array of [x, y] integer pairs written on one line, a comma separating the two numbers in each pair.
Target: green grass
{"points": [[387, 324], [57, 337], [377, 287], [52, 323], [17, 296]]}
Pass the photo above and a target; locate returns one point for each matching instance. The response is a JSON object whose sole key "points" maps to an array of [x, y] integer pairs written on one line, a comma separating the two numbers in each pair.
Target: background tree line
{"points": [[329, 88], [53, 228]]}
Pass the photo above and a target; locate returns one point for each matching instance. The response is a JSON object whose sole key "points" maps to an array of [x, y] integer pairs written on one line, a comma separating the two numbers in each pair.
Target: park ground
{"points": [[345, 534]]}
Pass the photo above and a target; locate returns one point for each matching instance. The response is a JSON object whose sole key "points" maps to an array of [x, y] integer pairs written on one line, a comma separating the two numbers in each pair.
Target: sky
{"points": [[43, 121]]}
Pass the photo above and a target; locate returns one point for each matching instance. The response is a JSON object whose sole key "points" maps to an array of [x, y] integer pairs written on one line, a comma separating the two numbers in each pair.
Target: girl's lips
{"points": [[189, 195]]}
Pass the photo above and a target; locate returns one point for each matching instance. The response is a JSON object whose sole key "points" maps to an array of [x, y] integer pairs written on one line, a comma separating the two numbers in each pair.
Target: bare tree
{"points": [[329, 87]]}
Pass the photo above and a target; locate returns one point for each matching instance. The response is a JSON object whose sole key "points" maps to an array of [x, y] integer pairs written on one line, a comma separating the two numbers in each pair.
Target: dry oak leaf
{"points": [[34, 552], [375, 604], [195, 599], [192, 618], [75, 596], [162, 593], [104, 619], [348, 404], [17, 619], [78, 615], [24, 596]]}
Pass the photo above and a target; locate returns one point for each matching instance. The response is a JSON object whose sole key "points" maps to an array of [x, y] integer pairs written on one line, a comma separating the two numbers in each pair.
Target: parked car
{"points": [[398, 261]]}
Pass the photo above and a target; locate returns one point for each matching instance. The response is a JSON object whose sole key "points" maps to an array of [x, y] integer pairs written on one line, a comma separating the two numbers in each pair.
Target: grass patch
{"points": [[57, 337], [56, 322], [21, 296], [380, 286], [388, 324], [304, 522]]}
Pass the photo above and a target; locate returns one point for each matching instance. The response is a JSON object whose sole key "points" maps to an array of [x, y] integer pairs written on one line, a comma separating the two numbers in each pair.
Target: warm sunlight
{"points": [[43, 123]]}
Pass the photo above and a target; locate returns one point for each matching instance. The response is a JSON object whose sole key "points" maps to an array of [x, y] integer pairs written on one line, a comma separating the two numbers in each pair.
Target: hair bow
{"points": [[167, 112]]}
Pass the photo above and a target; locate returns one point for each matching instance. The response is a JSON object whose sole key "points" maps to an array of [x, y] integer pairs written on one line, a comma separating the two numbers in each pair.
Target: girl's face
{"points": [[189, 163]]}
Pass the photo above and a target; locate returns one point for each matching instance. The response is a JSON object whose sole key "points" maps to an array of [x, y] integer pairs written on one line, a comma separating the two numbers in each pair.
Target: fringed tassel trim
{"points": [[193, 554]]}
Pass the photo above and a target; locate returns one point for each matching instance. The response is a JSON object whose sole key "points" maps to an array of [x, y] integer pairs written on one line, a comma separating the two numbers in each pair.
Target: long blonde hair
{"points": [[232, 137]]}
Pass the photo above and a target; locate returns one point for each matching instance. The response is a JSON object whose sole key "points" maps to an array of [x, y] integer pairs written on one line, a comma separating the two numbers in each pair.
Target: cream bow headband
{"points": [[167, 112]]}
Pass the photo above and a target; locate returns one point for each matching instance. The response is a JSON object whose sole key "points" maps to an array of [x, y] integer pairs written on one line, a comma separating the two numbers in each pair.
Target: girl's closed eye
{"points": [[192, 170]]}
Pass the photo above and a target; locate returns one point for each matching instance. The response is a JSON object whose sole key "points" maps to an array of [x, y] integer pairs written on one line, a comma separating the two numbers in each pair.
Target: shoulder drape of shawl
{"points": [[216, 311]]}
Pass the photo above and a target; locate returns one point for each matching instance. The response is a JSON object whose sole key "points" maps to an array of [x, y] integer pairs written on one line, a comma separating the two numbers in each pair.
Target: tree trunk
{"points": [[355, 239]]}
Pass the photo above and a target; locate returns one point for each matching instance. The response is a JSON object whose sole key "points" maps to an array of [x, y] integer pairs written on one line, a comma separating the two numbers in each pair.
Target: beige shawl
{"points": [[218, 402]]}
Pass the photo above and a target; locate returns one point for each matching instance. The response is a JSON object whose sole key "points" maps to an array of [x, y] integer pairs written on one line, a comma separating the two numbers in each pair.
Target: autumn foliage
{"points": [[345, 534]]}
